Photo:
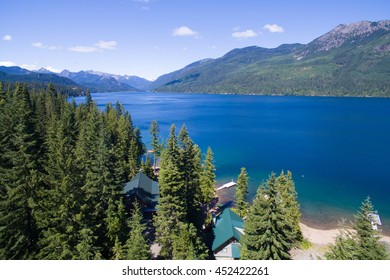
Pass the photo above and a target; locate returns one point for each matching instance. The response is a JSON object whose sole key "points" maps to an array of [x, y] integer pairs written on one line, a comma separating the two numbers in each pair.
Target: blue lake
{"points": [[338, 149]]}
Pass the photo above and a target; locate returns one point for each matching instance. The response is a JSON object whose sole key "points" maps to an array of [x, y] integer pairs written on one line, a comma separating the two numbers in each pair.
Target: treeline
{"points": [[36, 82], [62, 171]]}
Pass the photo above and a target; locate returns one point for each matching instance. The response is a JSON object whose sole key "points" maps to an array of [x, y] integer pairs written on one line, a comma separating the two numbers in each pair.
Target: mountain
{"points": [[133, 81], [350, 60], [97, 82], [173, 76], [38, 80]]}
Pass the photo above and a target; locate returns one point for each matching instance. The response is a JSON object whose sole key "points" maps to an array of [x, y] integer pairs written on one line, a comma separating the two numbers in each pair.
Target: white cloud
{"points": [[40, 45], [7, 63], [37, 45], [244, 34], [184, 31], [7, 38], [84, 49], [107, 45], [51, 69], [98, 47], [31, 67], [273, 28]]}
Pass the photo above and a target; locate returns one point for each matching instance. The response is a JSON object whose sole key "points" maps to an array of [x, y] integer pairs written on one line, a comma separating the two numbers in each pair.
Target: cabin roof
{"points": [[228, 226], [141, 181]]}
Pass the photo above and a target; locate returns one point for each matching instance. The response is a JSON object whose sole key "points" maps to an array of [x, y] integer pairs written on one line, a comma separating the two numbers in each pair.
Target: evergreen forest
{"points": [[63, 169]]}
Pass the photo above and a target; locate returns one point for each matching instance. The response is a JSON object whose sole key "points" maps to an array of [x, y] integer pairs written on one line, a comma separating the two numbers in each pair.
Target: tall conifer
{"points": [[137, 247], [266, 227], [242, 192]]}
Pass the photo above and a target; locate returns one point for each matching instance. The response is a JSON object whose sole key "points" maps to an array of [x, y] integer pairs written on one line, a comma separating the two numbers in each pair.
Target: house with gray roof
{"points": [[144, 190]]}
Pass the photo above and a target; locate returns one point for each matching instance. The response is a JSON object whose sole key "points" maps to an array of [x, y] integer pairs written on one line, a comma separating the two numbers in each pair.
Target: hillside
{"points": [[39, 80], [97, 82], [350, 60]]}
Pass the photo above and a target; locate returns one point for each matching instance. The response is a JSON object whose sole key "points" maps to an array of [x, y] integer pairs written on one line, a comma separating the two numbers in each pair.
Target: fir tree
{"points": [[20, 179], [180, 196], [266, 228], [58, 205], [368, 238], [207, 179], [137, 247], [154, 131], [187, 245], [242, 192], [289, 200], [147, 168], [363, 243]]}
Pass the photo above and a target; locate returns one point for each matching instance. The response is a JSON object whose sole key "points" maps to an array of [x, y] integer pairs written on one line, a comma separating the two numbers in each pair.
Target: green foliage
{"points": [[187, 245], [20, 176], [147, 168], [137, 247], [289, 201], [179, 200], [271, 228], [363, 243], [207, 178], [242, 192], [62, 172], [356, 69], [154, 131]]}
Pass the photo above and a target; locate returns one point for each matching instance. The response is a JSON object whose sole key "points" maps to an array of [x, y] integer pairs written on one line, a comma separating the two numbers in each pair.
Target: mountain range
{"points": [[350, 60]]}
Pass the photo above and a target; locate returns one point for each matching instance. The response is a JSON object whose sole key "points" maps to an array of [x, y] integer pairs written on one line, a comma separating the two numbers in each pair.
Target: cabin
{"points": [[228, 229], [144, 190]]}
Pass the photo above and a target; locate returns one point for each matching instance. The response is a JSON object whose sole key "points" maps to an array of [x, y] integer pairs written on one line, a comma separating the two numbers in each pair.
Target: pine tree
{"points": [[58, 205], [344, 247], [190, 167], [363, 243], [367, 237], [180, 195], [207, 179], [171, 208], [289, 200], [242, 192], [187, 245], [147, 168], [20, 179], [137, 247], [93, 176], [266, 228], [154, 131]]}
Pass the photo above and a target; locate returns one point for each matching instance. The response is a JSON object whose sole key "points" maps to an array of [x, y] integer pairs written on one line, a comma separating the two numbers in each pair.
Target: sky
{"points": [[149, 38]]}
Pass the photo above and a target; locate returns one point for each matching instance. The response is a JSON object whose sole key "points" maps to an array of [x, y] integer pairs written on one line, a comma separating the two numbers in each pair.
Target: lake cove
{"points": [[338, 149]]}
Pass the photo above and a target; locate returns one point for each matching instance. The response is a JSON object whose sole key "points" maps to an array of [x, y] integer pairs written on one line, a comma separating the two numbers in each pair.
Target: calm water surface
{"points": [[338, 149]]}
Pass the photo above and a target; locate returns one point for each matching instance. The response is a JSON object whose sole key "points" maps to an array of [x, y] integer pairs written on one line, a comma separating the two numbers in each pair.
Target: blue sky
{"points": [[149, 38]]}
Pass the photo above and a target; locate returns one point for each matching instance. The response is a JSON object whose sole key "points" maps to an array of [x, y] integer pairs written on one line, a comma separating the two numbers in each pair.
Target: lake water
{"points": [[338, 149]]}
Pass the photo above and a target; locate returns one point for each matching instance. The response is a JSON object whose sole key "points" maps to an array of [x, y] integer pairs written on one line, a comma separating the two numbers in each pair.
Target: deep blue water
{"points": [[338, 149]]}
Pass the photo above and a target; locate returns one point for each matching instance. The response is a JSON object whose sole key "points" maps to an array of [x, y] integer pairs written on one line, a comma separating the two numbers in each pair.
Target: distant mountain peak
{"points": [[344, 33]]}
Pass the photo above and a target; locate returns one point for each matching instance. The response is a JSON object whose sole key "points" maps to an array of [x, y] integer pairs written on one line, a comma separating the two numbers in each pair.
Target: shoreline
{"points": [[320, 240], [327, 236]]}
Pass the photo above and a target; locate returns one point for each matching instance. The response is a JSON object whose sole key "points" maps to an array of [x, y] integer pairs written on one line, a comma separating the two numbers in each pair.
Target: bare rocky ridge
{"points": [[345, 33]]}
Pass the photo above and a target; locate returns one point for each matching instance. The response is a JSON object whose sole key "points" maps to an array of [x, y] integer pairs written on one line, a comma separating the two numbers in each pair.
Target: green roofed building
{"points": [[144, 190], [228, 229]]}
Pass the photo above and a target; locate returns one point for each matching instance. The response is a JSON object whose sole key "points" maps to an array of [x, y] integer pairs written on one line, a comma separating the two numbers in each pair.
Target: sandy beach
{"points": [[321, 239]]}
